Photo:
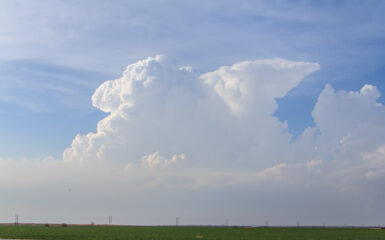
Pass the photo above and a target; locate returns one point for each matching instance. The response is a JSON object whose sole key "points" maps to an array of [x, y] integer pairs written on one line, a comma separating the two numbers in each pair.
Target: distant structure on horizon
{"points": [[16, 219]]}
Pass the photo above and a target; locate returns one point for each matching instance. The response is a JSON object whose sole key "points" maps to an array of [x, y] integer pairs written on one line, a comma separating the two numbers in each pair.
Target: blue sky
{"points": [[55, 54]]}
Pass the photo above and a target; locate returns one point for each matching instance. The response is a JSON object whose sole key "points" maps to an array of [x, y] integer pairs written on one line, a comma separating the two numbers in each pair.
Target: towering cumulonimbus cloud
{"points": [[221, 116], [165, 116]]}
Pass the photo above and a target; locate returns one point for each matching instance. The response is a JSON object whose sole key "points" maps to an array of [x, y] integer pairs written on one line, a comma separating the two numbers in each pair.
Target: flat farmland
{"points": [[184, 232]]}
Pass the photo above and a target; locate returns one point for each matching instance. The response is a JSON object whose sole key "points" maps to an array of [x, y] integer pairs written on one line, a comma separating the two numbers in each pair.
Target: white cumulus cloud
{"points": [[155, 159]]}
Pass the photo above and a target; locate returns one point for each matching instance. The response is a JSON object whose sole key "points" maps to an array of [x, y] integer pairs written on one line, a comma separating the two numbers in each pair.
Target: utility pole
{"points": [[16, 219], [110, 220], [177, 221]]}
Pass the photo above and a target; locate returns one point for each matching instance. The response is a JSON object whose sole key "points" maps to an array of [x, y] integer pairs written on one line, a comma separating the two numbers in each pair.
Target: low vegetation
{"points": [[58, 232]]}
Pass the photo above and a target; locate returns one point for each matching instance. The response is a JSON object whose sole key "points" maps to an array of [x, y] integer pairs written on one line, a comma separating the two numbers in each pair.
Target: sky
{"points": [[250, 111]]}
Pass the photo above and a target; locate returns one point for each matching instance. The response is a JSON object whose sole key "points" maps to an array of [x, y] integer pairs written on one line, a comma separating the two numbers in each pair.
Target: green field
{"points": [[169, 233]]}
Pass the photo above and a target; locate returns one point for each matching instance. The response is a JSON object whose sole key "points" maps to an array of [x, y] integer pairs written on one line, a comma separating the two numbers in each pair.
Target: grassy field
{"points": [[169, 233]]}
